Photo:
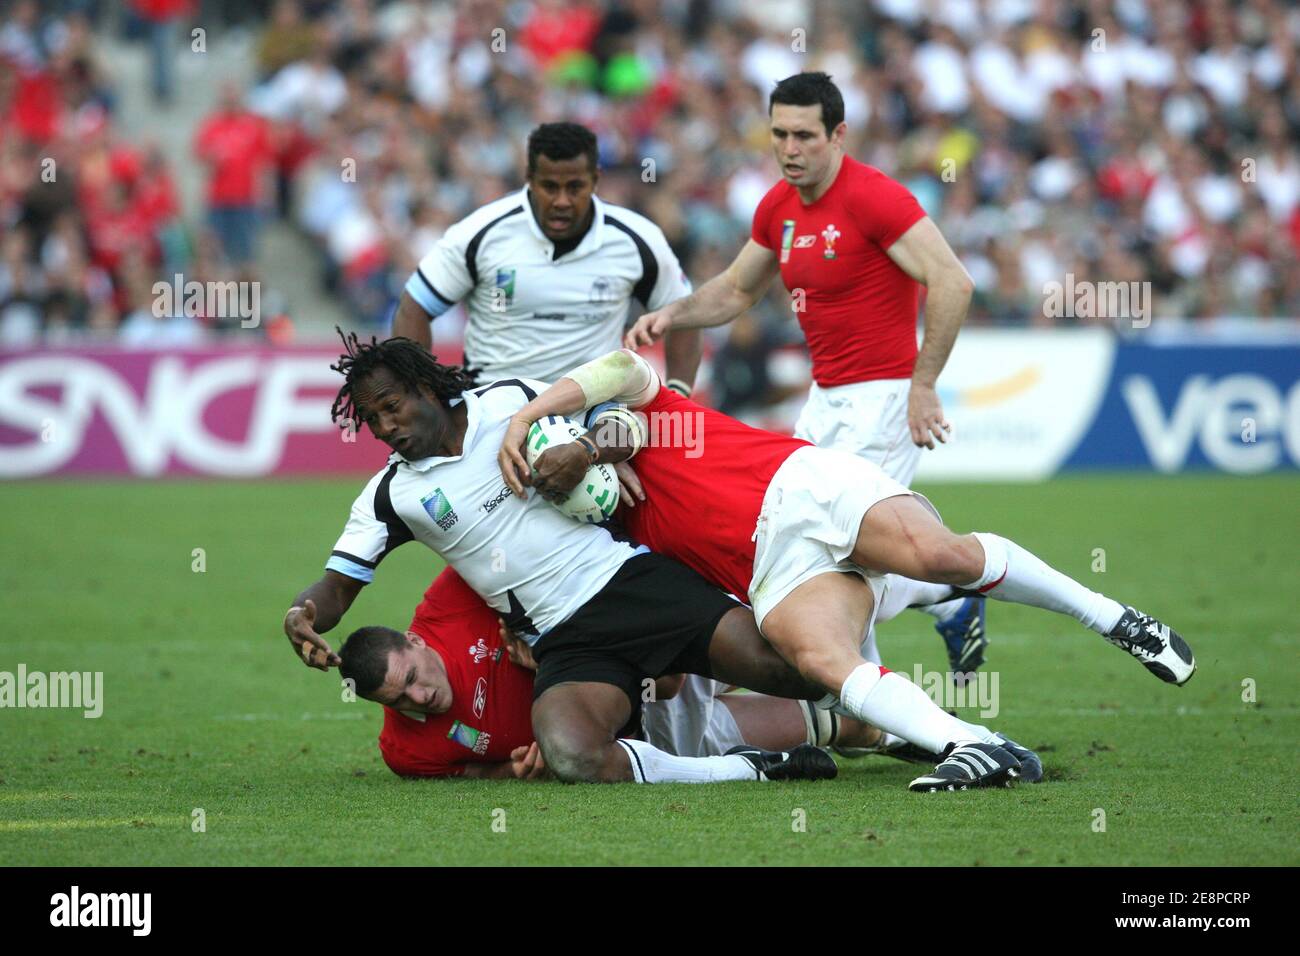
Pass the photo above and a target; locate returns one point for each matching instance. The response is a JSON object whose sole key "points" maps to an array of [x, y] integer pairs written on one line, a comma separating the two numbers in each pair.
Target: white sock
{"points": [[983, 733], [652, 765], [897, 706], [903, 593], [888, 741], [1013, 574]]}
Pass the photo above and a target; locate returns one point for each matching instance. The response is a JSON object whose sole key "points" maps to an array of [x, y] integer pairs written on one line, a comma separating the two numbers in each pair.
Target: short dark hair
{"points": [[365, 657], [562, 141], [408, 361], [810, 89]]}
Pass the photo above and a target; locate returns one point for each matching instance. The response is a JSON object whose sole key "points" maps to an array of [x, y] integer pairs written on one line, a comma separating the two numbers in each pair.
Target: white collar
{"points": [[472, 415], [591, 240]]}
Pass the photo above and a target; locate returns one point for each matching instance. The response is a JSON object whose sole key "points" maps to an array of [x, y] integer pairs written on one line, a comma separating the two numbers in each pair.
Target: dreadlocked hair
{"points": [[408, 362]]}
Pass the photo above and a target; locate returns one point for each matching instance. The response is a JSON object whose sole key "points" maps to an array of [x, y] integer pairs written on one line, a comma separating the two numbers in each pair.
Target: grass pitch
{"points": [[206, 709]]}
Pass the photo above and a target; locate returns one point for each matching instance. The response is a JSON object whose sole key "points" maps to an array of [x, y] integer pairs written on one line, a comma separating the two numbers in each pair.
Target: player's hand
{"points": [[517, 650], [629, 485], [511, 460], [650, 328], [925, 416], [527, 763], [310, 647], [559, 469]]}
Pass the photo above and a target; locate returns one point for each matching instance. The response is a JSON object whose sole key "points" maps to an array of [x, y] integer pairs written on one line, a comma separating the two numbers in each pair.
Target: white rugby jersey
{"points": [[531, 314], [526, 559]]}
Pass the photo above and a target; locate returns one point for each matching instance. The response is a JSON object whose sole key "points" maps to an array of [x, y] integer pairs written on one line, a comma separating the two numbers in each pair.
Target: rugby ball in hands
{"points": [[596, 496]]}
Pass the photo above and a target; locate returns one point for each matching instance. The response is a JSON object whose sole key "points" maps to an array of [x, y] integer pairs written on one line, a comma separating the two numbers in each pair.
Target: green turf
{"points": [[206, 708]]}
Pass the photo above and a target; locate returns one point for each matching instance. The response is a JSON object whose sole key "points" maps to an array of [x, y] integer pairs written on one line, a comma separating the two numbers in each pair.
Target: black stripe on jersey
{"points": [[507, 381], [436, 294], [354, 559], [398, 532], [471, 251], [649, 264]]}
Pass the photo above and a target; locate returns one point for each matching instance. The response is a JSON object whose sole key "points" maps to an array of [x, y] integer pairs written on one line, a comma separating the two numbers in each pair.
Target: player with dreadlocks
{"points": [[415, 743], [603, 617], [406, 362]]}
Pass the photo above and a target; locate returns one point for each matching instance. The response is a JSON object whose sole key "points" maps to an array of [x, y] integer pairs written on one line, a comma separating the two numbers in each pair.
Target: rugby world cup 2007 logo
{"points": [[787, 239], [505, 287], [438, 507]]}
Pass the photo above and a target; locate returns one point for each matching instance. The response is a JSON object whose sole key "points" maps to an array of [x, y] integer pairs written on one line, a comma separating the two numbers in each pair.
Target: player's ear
{"points": [[414, 639]]}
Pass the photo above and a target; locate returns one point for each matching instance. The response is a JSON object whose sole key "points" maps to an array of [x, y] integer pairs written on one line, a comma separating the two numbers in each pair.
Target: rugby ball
{"points": [[596, 496]]}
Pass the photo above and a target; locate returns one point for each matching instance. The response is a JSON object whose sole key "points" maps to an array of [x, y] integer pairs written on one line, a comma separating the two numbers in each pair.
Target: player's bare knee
{"points": [[820, 666], [568, 759]]}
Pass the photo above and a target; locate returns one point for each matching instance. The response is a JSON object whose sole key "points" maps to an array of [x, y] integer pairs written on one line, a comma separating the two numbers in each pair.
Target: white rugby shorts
{"points": [[809, 523], [694, 723], [868, 419]]}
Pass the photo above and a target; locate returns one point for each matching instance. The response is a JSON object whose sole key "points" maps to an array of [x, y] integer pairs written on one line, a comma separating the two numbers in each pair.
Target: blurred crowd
{"points": [[1109, 140]]}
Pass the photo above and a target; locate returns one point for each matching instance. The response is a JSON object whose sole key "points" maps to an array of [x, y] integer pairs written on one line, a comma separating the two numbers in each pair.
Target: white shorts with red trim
{"points": [[867, 419], [809, 523]]}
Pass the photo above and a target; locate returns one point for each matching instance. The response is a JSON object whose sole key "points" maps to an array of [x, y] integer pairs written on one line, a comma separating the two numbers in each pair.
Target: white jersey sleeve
{"points": [[443, 278], [373, 529], [671, 283]]}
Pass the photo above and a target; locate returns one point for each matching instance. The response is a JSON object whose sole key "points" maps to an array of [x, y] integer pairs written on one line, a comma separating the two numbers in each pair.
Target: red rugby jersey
{"points": [[704, 475], [491, 698], [860, 308]]}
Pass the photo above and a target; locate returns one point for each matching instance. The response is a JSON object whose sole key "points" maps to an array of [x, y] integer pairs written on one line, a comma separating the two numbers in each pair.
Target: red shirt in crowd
{"points": [[162, 10], [36, 109], [550, 33], [237, 146], [859, 308]]}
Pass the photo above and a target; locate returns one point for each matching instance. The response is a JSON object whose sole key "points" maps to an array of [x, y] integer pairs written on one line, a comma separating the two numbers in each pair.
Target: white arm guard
{"points": [[620, 376]]}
